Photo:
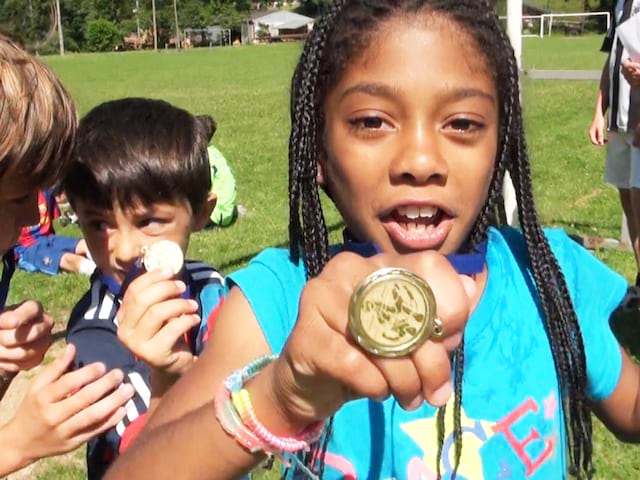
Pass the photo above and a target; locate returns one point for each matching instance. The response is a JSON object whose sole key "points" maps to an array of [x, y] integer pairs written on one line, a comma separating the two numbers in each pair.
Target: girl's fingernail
{"points": [[181, 286], [441, 396], [415, 403], [193, 303]]}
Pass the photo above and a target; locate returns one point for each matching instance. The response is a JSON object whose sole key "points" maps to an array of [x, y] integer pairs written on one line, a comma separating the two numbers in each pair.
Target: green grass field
{"points": [[246, 90]]}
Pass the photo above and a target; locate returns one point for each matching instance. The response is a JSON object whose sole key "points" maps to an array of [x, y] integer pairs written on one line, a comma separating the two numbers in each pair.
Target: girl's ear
{"points": [[320, 178]]}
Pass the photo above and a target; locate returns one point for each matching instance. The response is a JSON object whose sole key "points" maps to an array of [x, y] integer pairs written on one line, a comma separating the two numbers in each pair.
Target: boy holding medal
{"points": [[140, 185]]}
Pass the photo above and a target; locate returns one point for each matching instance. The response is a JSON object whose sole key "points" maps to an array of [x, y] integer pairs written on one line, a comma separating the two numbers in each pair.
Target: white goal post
{"points": [[551, 16]]}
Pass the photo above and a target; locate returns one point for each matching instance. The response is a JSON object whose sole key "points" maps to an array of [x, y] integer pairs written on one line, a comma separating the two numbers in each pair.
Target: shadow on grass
{"points": [[235, 262]]}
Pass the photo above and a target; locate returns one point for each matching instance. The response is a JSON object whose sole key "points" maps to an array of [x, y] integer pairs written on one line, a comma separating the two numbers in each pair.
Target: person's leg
{"points": [[634, 201], [71, 262], [62, 250], [619, 172], [630, 200], [74, 255]]}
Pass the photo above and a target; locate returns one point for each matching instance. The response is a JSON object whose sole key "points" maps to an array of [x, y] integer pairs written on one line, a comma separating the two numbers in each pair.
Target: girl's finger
{"points": [[352, 368], [57, 368], [403, 379], [72, 382], [433, 366], [101, 414], [452, 300], [156, 316]]}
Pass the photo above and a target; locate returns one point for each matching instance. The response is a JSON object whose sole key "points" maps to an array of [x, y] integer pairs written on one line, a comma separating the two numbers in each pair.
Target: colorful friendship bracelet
{"points": [[237, 417], [242, 403]]}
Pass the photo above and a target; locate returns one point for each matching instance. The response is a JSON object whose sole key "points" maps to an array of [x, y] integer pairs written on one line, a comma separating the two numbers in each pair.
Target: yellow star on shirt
{"points": [[474, 434]]}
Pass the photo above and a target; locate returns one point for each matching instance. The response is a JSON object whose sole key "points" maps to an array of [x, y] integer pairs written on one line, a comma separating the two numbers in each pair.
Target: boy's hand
{"points": [[596, 131], [25, 336], [61, 411], [321, 366], [631, 71], [153, 319]]}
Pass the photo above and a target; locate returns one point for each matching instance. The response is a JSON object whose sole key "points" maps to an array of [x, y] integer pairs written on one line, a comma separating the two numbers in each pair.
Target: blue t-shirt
{"points": [[511, 418]]}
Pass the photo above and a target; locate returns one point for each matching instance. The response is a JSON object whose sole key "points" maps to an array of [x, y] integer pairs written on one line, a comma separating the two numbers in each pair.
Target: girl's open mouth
{"points": [[418, 227]]}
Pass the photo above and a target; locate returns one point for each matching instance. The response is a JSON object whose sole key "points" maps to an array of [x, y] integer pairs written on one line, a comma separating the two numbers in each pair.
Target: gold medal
{"points": [[392, 312], [163, 254]]}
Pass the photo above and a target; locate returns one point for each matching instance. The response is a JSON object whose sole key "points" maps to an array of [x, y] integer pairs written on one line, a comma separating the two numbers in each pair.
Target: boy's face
{"points": [[115, 237], [18, 208]]}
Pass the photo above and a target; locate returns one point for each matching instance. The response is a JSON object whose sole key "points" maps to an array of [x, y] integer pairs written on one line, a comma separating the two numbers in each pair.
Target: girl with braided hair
{"points": [[434, 342]]}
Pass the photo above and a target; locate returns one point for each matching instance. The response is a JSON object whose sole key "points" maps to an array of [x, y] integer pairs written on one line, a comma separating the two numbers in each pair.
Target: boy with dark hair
{"points": [[141, 176], [61, 409]]}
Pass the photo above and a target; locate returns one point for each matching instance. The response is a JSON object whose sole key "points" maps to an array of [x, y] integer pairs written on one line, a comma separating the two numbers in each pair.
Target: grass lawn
{"points": [[246, 90], [563, 53]]}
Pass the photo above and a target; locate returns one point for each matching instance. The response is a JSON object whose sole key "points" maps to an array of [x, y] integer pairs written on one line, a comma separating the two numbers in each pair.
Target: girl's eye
{"points": [[367, 123], [465, 125]]}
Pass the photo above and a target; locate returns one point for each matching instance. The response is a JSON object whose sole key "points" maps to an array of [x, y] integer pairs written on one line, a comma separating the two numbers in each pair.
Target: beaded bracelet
{"points": [[242, 403], [235, 413]]}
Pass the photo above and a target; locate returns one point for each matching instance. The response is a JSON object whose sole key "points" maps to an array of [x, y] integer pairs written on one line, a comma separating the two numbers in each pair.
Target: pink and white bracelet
{"points": [[237, 417]]}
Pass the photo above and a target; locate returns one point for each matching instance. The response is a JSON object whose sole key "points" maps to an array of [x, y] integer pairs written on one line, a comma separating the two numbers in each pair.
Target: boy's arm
{"points": [[596, 131]]}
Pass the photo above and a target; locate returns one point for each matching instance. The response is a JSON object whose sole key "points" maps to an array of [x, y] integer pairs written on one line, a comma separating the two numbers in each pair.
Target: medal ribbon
{"points": [[8, 267], [470, 263]]}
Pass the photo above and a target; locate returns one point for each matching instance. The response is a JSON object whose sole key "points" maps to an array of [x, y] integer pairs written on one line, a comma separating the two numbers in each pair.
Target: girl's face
{"points": [[411, 137]]}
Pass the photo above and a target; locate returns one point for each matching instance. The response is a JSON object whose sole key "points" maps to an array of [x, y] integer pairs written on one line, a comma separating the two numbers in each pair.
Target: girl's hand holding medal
{"points": [[364, 333]]}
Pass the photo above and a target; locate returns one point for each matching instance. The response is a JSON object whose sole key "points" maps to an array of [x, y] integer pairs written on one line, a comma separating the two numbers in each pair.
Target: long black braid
{"points": [[337, 38]]}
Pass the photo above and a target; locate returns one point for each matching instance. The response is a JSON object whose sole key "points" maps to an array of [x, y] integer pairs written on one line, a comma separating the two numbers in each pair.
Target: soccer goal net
{"points": [[563, 23]]}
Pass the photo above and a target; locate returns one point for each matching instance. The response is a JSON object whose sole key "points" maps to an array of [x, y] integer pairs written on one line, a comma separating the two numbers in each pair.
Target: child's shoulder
{"points": [[202, 271], [277, 261], [564, 247], [584, 273], [273, 270]]}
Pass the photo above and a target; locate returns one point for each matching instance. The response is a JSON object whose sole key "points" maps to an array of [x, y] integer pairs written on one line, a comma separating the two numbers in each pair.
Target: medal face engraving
{"points": [[163, 254], [392, 312]]}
